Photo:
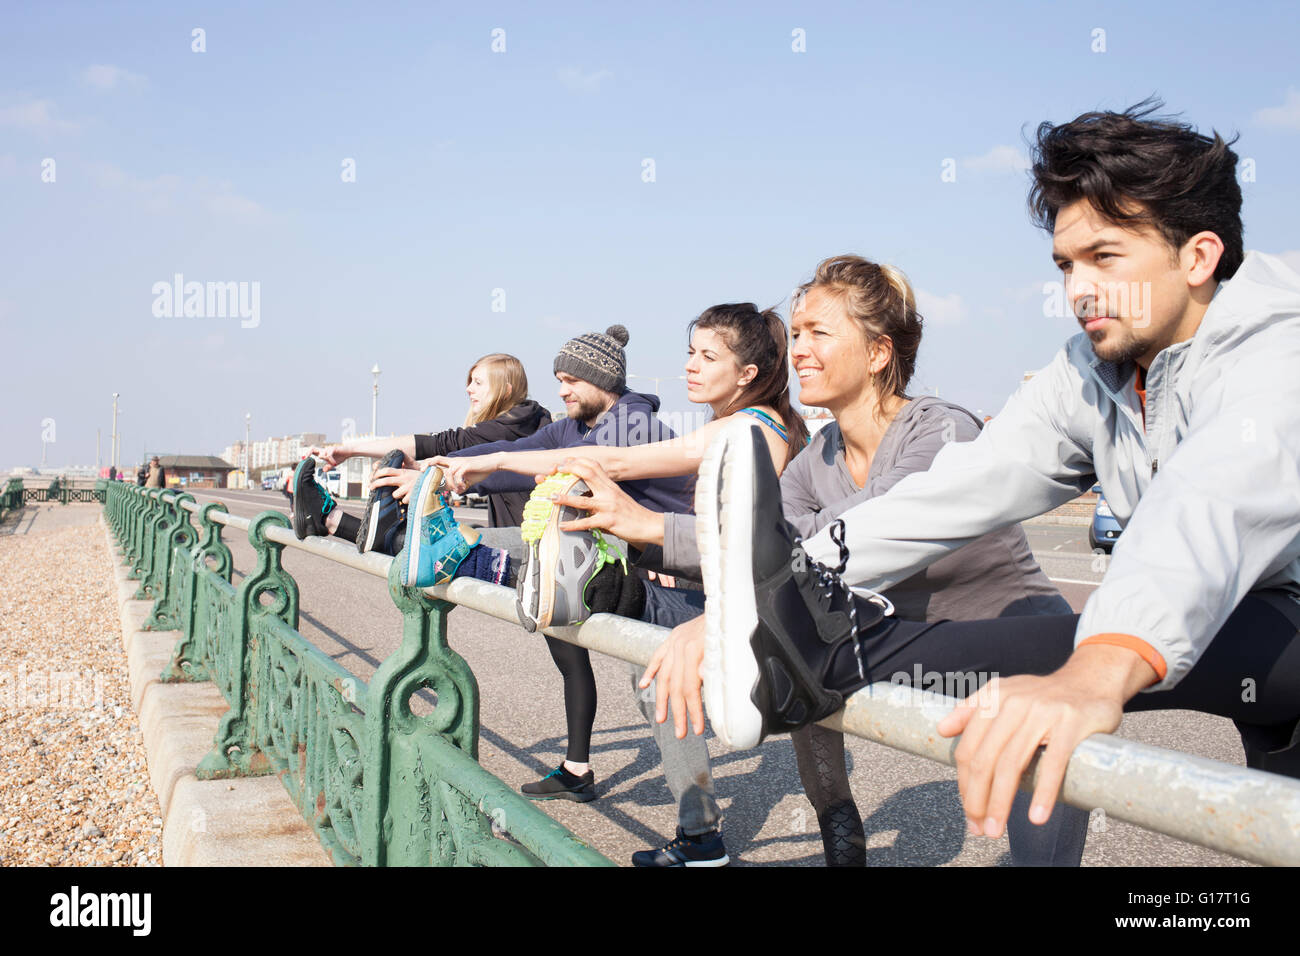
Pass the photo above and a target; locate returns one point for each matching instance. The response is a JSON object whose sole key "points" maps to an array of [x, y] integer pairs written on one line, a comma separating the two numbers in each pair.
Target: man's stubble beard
{"points": [[1118, 350]]}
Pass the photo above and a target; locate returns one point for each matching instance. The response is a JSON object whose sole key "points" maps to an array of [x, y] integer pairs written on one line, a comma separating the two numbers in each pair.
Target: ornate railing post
{"points": [[235, 752], [149, 553], [135, 521], [192, 656], [404, 822], [142, 511], [178, 537]]}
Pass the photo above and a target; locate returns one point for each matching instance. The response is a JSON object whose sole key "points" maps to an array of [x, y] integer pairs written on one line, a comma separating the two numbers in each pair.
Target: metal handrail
{"points": [[1248, 813]]}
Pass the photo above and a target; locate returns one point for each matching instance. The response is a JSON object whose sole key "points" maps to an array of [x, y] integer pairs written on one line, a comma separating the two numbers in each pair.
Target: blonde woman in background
{"points": [[499, 410]]}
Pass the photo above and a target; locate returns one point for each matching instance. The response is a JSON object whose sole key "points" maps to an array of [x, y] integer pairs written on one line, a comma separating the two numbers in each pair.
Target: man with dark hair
{"points": [[1179, 396]]}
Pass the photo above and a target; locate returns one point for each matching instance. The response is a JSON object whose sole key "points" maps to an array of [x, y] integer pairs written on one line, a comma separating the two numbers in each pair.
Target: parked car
{"points": [[1105, 529]]}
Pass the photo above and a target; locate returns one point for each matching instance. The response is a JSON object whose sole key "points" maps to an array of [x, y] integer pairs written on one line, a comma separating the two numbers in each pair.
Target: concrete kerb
{"points": [[247, 821]]}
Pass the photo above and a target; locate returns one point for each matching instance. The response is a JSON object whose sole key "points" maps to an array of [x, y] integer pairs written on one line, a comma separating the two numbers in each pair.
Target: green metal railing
{"points": [[384, 787], [16, 493], [379, 785]]}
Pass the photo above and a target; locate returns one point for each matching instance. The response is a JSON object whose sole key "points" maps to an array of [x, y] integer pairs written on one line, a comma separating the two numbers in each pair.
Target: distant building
{"points": [[272, 453], [195, 471]]}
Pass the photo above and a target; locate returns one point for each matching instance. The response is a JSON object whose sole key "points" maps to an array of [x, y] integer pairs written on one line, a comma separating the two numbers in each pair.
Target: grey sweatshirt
{"points": [[992, 576]]}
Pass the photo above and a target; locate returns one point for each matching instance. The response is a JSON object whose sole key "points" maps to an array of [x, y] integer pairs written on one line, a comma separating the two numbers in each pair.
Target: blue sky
{"points": [[522, 171]]}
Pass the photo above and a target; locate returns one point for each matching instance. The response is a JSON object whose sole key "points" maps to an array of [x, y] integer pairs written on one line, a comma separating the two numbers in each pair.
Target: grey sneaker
{"points": [[558, 565]]}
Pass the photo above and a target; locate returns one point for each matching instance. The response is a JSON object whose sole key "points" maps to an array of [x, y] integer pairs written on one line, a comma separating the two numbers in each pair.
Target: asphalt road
{"points": [[910, 805]]}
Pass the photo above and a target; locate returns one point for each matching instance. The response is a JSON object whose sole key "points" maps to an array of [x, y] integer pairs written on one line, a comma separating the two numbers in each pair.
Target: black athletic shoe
{"points": [[311, 501], [777, 623], [703, 850], [559, 784], [383, 511]]}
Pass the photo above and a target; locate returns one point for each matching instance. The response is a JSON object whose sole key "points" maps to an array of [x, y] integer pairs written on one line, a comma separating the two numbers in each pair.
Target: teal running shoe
{"points": [[435, 543]]}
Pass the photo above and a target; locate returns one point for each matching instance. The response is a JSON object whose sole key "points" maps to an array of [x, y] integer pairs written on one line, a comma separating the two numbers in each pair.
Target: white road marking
{"points": [[1072, 581]]}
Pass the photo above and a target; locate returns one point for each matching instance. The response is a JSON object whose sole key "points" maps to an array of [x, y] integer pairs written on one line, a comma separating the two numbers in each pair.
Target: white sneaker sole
{"points": [[427, 485], [730, 669]]}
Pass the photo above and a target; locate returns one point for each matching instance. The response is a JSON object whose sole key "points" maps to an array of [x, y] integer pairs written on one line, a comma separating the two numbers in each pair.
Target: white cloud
{"points": [[34, 115], [1286, 116], [940, 310], [563, 326], [997, 159], [104, 77], [170, 193], [230, 206], [580, 82]]}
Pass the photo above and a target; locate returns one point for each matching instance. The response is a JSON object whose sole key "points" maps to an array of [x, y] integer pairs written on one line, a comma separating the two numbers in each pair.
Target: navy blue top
{"points": [[631, 421]]}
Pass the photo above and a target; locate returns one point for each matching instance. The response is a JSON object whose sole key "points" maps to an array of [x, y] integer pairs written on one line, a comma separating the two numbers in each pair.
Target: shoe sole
{"points": [[370, 528], [685, 863], [299, 515], [366, 540], [535, 593], [574, 797], [730, 672], [427, 485]]}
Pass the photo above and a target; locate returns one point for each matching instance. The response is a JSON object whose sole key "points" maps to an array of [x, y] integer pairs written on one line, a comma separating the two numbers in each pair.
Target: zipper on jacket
{"points": [[1155, 466]]}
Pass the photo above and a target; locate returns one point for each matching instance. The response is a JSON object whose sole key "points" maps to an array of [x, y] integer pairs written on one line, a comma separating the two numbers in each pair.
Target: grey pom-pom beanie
{"points": [[596, 358]]}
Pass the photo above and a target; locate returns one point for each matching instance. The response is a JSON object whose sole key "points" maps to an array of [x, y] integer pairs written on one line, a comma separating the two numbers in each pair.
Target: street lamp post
{"points": [[112, 451], [374, 403], [248, 428]]}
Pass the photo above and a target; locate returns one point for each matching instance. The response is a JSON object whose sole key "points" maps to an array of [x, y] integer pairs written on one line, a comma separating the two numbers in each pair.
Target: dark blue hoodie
{"points": [[631, 421]]}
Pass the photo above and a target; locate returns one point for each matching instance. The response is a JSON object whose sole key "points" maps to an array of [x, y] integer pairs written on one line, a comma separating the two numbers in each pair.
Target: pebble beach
{"points": [[74, 788]]}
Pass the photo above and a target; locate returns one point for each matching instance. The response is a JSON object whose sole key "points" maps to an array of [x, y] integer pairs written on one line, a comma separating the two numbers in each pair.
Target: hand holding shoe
{"points": [[609, 507], [401, 480], [459, 474]]}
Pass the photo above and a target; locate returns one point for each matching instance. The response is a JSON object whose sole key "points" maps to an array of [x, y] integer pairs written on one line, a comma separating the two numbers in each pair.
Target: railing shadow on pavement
{"points": [[382, 786]]}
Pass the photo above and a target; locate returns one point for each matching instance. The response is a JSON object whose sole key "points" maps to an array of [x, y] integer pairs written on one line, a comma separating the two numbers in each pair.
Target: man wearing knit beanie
{"points": [[598, 359], [592, 373]]}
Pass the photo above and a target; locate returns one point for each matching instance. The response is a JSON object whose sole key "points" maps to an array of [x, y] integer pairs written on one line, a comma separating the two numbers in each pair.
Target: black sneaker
{"points": [[383, 511], [311, 501], [786, 621], [559, 784], [703, 850]]}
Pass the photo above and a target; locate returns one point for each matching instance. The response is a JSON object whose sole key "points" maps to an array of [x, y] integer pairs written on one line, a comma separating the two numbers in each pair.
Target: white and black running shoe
{"points": [[776, 621], [706, 849]]}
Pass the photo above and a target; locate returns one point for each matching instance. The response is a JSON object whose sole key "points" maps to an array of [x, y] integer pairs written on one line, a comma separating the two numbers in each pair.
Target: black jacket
{"points": [[504, 510]]}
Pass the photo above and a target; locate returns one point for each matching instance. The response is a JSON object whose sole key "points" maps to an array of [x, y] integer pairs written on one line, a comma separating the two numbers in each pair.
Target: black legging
{"points": [[574, 663], [1250, 673]]}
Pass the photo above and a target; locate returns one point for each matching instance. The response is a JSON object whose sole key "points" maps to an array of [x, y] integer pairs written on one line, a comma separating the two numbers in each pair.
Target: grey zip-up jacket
{"points": [[1208, 489]]}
